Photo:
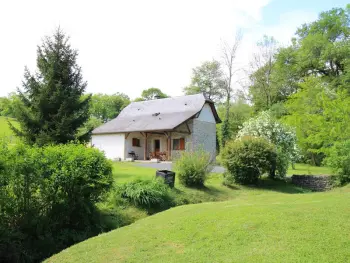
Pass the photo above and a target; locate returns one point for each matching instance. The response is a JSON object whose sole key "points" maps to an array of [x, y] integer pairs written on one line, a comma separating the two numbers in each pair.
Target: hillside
{"points": [[269, 227], [5, 130]]}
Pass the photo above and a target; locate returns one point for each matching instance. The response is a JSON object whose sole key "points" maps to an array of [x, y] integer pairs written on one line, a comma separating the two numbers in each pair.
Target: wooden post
{"points": [[169, 147], [145, 148]]}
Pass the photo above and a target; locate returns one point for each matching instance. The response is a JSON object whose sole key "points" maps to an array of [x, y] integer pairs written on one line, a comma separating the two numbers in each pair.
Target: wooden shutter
{"points": [[135, 142], [182, 144]]}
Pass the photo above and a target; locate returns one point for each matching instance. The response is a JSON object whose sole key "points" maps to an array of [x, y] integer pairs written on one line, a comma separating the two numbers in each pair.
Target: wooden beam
{"points": [[127, 135], [142, 134], [169, 146], [183, 132], [188, 128], [145, 148]]}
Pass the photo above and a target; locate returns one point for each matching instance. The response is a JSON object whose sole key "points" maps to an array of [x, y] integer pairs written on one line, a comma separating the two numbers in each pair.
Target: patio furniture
{"points": [[132, 154]]}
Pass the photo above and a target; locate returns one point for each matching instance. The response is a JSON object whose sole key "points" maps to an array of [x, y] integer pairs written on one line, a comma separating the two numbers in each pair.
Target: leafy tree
{"points": [[53, 108], [106, 107], [263, 89], [319, 49], [9, 104], [321, 116], [207, 79], [151, 94]]}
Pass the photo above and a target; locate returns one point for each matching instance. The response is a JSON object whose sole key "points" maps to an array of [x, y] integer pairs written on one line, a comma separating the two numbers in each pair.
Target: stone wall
{"points": [[313, 182], [204, 136]]}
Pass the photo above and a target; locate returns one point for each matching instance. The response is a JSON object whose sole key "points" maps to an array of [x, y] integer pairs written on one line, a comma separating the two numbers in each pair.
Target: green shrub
{"points": [[247, 159], [148, 194], [193, 167], [47, 198], [339, 160]]}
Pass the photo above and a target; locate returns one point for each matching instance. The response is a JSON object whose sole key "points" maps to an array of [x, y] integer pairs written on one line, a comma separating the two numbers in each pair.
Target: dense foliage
{"points": [[339, 160], [247, 158], [47, 198], [151, 94], [9, 105], [309, 84], [239, 112], [283, 137], [52, 108], [106, 107], [207, 79], [193, 167], [148, 194]]}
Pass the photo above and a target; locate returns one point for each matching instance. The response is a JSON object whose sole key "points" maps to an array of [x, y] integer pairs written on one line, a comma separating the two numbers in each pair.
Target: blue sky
{"points": [[128, 46], [285, 6]]}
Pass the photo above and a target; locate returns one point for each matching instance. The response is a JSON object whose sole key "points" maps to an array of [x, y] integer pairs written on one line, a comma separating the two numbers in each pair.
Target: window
{"points": [[179, 144], [136, 142]]}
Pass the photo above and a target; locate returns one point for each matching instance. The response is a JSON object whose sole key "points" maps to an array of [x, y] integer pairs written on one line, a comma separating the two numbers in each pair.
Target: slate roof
{"points": [[156, 115]]}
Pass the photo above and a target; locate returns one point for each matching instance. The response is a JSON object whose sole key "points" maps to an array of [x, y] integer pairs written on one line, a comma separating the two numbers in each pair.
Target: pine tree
{"points": [[52, 108]]}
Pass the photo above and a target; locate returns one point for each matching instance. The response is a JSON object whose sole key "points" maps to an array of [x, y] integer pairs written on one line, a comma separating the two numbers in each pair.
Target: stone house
{"points": [[160, 128]]}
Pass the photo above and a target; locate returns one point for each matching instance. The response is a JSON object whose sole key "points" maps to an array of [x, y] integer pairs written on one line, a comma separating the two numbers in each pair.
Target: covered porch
{"points": [[161, 145]]}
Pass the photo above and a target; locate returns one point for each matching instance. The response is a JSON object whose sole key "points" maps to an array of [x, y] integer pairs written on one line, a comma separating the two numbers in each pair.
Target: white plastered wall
{"points": [[138, 150], [113, 145]]}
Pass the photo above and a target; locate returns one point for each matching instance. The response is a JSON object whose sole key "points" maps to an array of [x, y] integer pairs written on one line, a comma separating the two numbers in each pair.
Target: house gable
{"points": [[206, 114]]}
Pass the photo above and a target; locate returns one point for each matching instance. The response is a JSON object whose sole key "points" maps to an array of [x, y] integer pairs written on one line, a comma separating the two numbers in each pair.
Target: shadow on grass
{"points": [[282, 186]]}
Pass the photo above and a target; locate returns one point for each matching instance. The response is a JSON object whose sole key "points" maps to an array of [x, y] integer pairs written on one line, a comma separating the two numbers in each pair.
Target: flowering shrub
{"points": [[283, 137]]}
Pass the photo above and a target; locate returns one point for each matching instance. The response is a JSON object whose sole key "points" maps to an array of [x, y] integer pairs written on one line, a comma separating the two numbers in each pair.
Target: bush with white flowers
{"points": [[282, 136]]}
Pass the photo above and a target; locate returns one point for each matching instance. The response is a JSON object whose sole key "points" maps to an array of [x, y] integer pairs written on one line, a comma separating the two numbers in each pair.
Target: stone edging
{"points": [[313, 182]]}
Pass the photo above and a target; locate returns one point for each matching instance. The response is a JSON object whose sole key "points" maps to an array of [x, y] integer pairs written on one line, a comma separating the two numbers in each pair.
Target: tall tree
{"points": [[262, 88], [106, 107], [151, 94], [229, 57], [53, 108], [207, 79], [319, 49]]}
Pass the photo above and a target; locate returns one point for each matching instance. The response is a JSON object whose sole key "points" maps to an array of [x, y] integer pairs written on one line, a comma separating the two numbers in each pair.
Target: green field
{"points": [[5, 130], [272, 222]]}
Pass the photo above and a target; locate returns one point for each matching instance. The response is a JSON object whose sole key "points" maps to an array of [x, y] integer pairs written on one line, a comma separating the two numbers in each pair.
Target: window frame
{"points": [[136, 142], [180, 146]]}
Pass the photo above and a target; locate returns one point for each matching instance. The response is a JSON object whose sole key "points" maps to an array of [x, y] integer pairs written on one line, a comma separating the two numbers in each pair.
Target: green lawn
{"points": [[272, 222], [269, 227], [301, 168], [214, 190]]}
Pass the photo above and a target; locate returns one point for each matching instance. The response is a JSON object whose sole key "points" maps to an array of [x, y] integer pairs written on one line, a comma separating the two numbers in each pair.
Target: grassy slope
{"points": [[270, 227], [273, 222], [5, 130]]}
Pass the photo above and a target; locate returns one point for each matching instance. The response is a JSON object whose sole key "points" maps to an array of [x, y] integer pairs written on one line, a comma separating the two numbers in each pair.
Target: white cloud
{"points": [[126, 46]]}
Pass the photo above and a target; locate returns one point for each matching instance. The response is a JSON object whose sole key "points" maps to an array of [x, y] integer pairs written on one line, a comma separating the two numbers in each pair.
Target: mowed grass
{"points": [[301, 168], [271, 222], [270, 227], [214, 190]]}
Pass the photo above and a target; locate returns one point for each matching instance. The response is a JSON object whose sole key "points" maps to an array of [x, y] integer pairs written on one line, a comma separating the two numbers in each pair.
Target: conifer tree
{"points": [[53, 108]]}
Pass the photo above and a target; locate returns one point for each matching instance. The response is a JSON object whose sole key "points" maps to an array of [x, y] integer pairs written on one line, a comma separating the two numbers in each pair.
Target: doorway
{"points": [[157, 146]]}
